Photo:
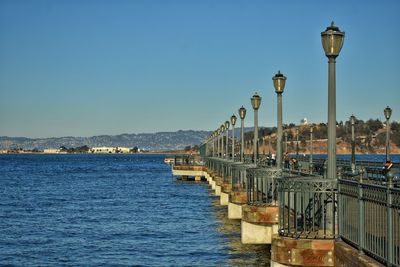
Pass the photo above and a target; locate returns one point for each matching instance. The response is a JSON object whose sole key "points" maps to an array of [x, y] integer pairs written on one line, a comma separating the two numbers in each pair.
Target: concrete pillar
{"points": [[234, 211], [197, 178], [224, 199], [259, 224], [252, 233], [217, 190]]}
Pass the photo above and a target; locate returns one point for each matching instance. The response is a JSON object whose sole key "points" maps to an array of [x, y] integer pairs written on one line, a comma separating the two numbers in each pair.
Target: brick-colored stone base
{"points": [[226, 187], [238, 197], [346, 255], [260, 214], [302, 252]]}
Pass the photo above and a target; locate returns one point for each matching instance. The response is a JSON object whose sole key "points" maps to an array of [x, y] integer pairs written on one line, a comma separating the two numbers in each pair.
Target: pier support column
{"points": [[217, 190], [259, 224], [197, 178], [236, 201], [224, 199], [226, 188]]}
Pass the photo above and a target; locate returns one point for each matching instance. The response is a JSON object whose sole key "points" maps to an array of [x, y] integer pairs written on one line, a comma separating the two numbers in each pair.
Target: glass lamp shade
{"points": [[388, 112], [332, 40], [222, 128], [352, 119], [233, 120], [242, 112], [279, 82], [311, 129], [256, 101], [227, 125]]}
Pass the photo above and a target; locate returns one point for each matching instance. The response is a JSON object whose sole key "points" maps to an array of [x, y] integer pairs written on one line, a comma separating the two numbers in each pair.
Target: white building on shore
{"points": [[109, 150]]}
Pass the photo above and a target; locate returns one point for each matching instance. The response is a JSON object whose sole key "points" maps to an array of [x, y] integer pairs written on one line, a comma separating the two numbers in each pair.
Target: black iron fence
{"points": [[369, 218], [307, 207], [262, 186]]}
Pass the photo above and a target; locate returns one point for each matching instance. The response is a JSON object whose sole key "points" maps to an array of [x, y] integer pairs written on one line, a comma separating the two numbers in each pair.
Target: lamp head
{"points": [[352, 119], [256, 101], [388, 112], [332, 40], [242, 113], [279, 82], [233, 120], [227, 125]]}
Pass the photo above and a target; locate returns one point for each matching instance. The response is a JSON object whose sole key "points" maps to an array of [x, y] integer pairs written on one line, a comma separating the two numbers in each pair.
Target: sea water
{"points": [[113, 210]]}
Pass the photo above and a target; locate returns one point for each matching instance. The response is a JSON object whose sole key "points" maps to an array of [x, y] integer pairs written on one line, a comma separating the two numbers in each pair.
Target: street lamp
{"points": [[242, 115], [297, 144], [353, 143], [286, 145], [227, 140], [388, 112], [311, 149], [219, 141], [279, 84], [269, 150], [256, 103], [233, 122], [222, 140], [332, 42]]}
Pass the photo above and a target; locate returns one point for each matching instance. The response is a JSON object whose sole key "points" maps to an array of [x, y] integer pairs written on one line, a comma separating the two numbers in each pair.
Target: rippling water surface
{"points": [[92, 210]]}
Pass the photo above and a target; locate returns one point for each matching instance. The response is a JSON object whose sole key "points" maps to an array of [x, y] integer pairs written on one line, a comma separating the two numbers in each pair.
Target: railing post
{"points": [[389, 235], [361, 215]]}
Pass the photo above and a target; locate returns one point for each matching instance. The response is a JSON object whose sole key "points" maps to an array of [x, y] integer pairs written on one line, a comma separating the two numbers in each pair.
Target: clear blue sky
{"points": [[86, 68]]}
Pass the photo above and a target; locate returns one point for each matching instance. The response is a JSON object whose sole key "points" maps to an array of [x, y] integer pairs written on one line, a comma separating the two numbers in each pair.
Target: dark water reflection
{"points": [[239, 254]]}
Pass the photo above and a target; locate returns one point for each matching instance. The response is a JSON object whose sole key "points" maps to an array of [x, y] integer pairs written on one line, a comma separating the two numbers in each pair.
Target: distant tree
{"points": [[374, 125], [188, 148]]}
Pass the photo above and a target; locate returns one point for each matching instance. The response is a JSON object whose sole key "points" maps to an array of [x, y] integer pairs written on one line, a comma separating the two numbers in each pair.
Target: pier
{"points": [[310, 211], [307, 219]]}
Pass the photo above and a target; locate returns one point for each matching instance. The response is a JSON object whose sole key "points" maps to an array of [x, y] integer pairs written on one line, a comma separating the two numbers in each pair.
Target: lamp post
{"points": [[286, 146], [269, 150], [297, 144], [242, 115], [388, 112], [215, 143], [353, 144], [212, 145], [256, 103], [264, 144], [279, 84], [332, 42], [222, 140], [227, 140], [219, 142], [311, 149], [233, 122]]}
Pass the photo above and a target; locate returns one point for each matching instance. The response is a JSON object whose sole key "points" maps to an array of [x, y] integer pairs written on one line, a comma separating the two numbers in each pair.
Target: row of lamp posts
{"points": [[332, 42]]}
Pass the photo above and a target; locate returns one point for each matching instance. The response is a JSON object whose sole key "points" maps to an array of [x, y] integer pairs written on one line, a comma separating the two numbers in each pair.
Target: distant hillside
{"points": [[160, 141]]}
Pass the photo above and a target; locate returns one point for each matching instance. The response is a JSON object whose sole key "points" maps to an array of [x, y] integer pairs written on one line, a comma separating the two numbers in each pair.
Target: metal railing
{"points": [[262, 186], [182, 160], [307, 207], [369, 218], [239, 171]]}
